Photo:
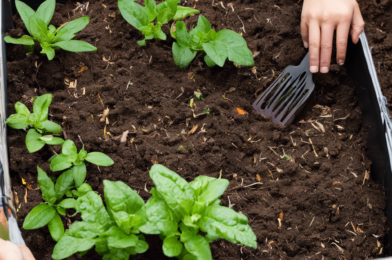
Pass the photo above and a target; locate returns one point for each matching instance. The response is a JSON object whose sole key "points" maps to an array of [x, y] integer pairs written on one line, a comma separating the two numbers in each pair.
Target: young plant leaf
{"points": [[63, 182], [209, 61], [21, 108], [24, 40], [47, 187], [172, 247], [38, 28], [17, 121], [69, 148], [183, 12], [51, 127], [79, 174], [25, 13], [61, 162], [68, 246], [46, 49], [208, 189], [41, 107], [33, 141], [134, 14], [216, 51], [45, 11], [56, 227], [75, 46], [203, 25], [166, 11], [54, 140], [199, 248], [183, 56], [39, 216], [67, 204], [151, 9], [69, 30], [236, 46], [99, 159]]}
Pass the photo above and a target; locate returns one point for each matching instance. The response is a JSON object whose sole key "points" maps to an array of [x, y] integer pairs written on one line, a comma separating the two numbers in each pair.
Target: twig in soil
{"points": [[105, 116], [253, 184], [314, 150], [230, 205], [305, 154], [220, 174], [294, 143], [145, 187], [129, 84], [280, 223], [311, 222], [273, 151], [81, 140], [343, 118], [243, 26], [124, 137], [340, 249], [234, 145], [182, 89]]}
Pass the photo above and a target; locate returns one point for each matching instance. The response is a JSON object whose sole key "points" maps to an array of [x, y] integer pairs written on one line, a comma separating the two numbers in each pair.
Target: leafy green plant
{"points": [[142, 17], [70, 157], [23, 119], [218, 46], [48, 213], [179, 210], [113, 231], [50, 38]]}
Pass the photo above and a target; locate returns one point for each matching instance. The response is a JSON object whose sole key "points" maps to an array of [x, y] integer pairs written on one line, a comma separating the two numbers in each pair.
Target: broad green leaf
{"points": [[61, 211], [122, 203], [172, 247], [67, 203], [41, 107], [61, 162], [161, 219], [160, 35], [92, 209], [182, 35], [55, 141], [79, 174], [177, 192], [116, 254], [33, 142], [17, 121], [21, 108], [99, 159], [75, 46], [183, 12], [82, 154], [68, 246], [187, 232], [39, 216], [236, 46], [56, 228], [140, 247], [24, 40], [46, 49], [25, 13], [216, 51], [151, 9], [63, 182], [208, 189], [183, 56], [74, 26], [209, 61], [45, 11], [46, 138], [52, 28], [203, 25], [47, 187], [199, 247], [38, 28], [83, 229], [133, 13], [51, 127], [166, 11], [82, 190], [223, 222], [69, 148], [118, 239]]}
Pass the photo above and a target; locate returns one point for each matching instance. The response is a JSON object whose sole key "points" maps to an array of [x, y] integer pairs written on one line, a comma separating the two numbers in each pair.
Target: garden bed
{"points": [[329, 206]]}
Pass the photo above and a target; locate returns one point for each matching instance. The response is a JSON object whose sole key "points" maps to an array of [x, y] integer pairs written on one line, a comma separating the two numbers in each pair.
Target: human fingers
{"points": [[327, 31], [305, 33], [314, 46], [357, 24], [27, 255], [341, 42], [9, 251]]}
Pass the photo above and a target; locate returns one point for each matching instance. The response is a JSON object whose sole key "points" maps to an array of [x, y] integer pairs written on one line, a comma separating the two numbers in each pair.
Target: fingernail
{"points": [[324, 70], [313, 69], [306, 45], [341, 62]]}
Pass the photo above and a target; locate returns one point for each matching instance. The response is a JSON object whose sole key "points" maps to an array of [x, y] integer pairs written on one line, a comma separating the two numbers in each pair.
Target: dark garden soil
{"points": [[330, 209]]}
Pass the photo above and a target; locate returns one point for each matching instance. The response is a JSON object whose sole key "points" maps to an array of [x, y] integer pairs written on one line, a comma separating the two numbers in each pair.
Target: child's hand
{"points": [[319, 20], [10, 251]]}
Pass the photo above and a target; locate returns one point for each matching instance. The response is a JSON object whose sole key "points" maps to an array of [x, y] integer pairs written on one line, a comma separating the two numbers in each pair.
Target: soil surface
{"points": [[329, 208]]}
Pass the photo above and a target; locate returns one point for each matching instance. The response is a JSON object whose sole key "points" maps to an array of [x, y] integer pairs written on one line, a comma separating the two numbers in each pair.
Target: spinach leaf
{"points": [[99, 159], [39, 216], [69, 245], [56, 228], [183, 12], [47, 187]]}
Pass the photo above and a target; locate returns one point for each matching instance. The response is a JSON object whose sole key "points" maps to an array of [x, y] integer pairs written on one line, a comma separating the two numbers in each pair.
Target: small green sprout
{"points": [[23, 119], [207, 111], [71, 158], [286, 157], [181, 148], [142, 17], [199, 95], [50, 38]]}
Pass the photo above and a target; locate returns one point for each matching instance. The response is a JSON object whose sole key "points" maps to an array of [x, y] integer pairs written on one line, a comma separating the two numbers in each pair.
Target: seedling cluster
{"points": [[186, 216]]}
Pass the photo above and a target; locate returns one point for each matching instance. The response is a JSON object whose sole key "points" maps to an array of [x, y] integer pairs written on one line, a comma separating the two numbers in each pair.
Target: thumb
{"points": [[357, 25]]}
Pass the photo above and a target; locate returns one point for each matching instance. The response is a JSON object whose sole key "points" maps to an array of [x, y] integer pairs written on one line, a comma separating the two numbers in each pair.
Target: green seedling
{"points": [[207, 111], [50, 38], [48, 213], [181, 147], [286, 157], [113, 231], [217, 46], [199, 95], [69, 157], [23, 119], [143, 17], [179, 210]]}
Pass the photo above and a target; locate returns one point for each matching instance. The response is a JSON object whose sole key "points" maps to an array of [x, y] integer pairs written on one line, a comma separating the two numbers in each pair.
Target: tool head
{"points": [[286, 97]]}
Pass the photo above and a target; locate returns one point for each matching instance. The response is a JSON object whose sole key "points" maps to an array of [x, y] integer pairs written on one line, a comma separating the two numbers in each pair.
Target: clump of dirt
{"points": [[329, 208]]}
